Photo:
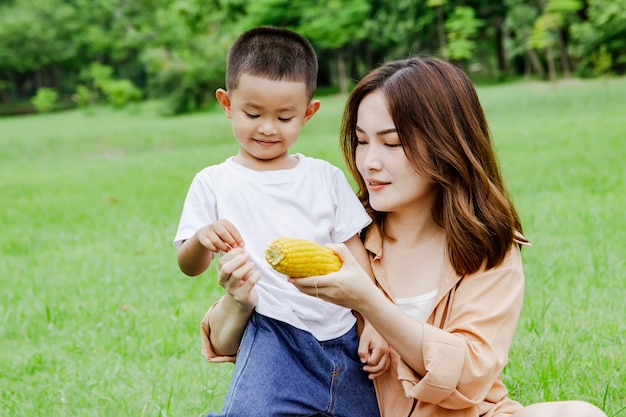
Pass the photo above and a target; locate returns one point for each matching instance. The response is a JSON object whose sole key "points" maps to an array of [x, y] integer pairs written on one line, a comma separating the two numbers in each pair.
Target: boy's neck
{"points": [[286, 161]]}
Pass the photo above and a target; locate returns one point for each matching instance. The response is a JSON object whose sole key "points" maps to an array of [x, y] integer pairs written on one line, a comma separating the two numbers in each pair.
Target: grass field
{"points": [[97, 320]]}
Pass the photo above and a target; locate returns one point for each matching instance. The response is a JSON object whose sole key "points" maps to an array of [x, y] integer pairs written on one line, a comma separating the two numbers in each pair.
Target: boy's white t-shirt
{"points": [[313, 201]]}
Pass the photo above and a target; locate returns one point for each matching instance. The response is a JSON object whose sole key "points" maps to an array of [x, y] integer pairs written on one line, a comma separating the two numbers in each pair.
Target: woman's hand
{"points": [[349, 287]]}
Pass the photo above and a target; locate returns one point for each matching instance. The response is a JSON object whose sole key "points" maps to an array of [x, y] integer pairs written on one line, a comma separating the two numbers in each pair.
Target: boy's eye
{"points": [[251, 116], [284, 119]]}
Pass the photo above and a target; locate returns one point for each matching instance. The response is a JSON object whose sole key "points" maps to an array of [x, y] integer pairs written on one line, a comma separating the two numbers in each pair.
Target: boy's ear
{"points": [[224, 100], [311, 109]]}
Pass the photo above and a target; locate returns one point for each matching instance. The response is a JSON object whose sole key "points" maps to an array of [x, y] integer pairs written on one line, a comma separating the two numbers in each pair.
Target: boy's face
{"points": [[267, 116]]}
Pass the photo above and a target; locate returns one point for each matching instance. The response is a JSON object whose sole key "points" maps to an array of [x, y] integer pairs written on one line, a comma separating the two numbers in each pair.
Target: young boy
{"points": [[299, 355]]}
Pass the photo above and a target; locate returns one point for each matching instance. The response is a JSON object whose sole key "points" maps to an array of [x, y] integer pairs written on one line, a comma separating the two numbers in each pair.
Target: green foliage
{"points": [[436, 3], [96, 74], [543, 34], [605, 29], [334, 24], [189, 63], [602, 62], [117, 92], [519, 21], [45, 100], [187, 77], [84, 96], [120, 92], [563, 7], [37, 34], [461, 27], [175, 49]]}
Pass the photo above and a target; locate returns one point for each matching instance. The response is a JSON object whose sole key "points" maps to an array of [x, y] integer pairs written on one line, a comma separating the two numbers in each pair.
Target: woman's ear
{"points": [[224, 100]]}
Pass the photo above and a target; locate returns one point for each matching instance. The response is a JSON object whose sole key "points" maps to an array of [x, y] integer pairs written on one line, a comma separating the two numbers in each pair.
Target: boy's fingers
{"points": [[363, 352]]}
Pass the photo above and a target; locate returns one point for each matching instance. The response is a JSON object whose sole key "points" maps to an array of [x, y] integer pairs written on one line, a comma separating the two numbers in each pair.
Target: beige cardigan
{"points": [[466, 343], [467, 337]]}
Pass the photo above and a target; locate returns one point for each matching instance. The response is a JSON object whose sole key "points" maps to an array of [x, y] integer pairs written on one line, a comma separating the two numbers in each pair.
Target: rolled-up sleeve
{"points": [[207, 347], [464, 354]]}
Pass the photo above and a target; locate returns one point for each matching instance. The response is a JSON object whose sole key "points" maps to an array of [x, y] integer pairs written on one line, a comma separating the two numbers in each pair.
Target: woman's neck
{"points": [[412, 228]]}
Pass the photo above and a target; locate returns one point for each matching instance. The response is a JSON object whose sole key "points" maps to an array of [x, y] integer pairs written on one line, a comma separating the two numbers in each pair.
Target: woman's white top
{"points": [[418, 306]]}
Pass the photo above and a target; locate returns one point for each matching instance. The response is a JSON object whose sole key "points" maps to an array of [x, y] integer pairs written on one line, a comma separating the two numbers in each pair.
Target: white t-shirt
{"points": [[313, 201], [418, 306]]}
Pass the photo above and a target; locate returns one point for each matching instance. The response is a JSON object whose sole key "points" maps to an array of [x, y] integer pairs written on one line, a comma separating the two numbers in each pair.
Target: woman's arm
{"points": [[453, 366]]}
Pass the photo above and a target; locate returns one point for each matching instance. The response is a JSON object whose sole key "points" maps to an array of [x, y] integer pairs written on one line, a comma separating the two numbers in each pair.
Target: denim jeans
{"points": [[284, 371]]}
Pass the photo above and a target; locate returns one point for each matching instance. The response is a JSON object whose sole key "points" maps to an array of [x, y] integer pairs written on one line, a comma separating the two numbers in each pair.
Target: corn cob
{"points": [[300, 258]]}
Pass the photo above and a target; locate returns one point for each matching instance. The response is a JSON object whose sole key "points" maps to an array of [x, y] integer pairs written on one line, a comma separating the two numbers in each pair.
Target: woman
{"points": [[444, 245]]}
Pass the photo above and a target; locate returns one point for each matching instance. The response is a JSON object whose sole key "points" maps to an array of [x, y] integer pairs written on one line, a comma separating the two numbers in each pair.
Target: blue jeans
{"points": [[284, 371]]}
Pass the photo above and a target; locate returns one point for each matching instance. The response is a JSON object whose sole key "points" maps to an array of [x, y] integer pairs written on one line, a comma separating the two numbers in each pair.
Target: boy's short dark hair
{"points": [[272, 53]]}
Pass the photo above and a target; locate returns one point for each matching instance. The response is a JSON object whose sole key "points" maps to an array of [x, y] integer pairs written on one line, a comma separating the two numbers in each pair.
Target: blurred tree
{"points": [[38, 56], [461, 27], [518, 26], [601, 38], [335, 26], [563, 11], [396, 30], [186, 62], [176, 49], [438, 5], [543, 37]]}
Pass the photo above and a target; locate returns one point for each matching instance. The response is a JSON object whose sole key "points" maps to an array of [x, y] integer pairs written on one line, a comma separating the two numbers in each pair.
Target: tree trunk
{"points": [[503, 61], [535, 63], [38, 80], [549, 50], [565, 67], [441, 30], [550, 61], [342, 72]]}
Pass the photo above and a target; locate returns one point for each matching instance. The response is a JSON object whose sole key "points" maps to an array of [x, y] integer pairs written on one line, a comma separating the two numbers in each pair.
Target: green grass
{"points": [[97, 320]]}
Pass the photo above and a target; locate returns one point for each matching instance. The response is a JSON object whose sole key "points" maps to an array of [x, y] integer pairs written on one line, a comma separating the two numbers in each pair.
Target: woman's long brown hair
{"points": [[434, 102]]}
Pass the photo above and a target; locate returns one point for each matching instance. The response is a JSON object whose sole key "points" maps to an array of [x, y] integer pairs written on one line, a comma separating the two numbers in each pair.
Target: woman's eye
{"points": [[393, 145]]}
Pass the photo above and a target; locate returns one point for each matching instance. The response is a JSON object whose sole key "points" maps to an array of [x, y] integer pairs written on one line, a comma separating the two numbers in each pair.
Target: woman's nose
{"points": [[370, 159]]}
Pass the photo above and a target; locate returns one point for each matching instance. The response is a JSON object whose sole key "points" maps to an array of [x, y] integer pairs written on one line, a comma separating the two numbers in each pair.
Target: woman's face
{"points": [[391, 180]]}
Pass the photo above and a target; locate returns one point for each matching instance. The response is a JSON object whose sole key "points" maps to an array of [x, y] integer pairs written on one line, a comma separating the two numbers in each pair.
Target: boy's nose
{"points": [[267, 128]]}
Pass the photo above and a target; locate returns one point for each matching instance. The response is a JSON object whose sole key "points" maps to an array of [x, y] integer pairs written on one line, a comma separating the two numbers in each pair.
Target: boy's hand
{"points": [[373, 352], [220, 235], [238, 277]]}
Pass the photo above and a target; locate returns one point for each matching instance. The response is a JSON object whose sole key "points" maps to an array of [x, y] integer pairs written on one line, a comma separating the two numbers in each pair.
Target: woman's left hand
{"points": [[349, 287]]}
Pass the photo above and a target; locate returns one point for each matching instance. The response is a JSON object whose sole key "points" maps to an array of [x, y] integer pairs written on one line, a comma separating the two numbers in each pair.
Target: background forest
{"points": [[67, 53]]}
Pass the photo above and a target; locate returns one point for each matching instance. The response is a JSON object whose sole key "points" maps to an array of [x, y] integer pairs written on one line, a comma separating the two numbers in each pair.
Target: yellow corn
{"points": [[300, 258]]}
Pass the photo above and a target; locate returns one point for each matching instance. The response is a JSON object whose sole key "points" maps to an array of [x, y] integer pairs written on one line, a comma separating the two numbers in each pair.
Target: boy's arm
{"points": [[193, 258], [195, 254]]}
